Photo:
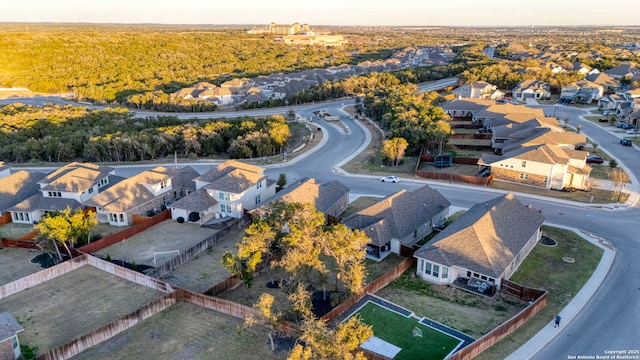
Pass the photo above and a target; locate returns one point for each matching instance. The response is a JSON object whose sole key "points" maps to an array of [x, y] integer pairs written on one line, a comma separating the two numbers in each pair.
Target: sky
{"points": [[327, 12]]}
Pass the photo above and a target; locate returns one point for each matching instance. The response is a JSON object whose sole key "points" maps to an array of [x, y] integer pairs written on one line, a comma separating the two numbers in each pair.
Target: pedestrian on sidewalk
{"points": [[558, 318]]}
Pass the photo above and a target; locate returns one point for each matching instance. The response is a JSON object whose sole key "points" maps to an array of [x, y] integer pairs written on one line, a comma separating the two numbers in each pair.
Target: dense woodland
{"points": [[57, 133]]}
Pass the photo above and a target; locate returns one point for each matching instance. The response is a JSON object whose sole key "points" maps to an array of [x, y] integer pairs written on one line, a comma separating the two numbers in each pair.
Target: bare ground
{"points": [[16, 264], [186, 331], [206, 270], [166, 236], [69, 306], [14, 231]]}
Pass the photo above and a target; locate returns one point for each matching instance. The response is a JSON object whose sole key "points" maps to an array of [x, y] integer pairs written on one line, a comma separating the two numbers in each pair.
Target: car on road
{"points": [[632, 131], [625, 142], [393, 179], [594, 159]]}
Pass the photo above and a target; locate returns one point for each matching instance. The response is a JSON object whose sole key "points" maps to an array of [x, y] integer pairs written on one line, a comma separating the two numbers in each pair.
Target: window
{"points": [[445, 272], [257, 199], [524, 176], [259, 185], [163, 184], [121, 217], [90, 190], [14, 342], [225, 208], [427, 269], [224, 196], [524, 164], [55, 194], [545, 180], [436, 271]]}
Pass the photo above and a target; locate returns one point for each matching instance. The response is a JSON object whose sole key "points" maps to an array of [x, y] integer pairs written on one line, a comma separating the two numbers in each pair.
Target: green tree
{"points": [[393, 150], [265, 315], [282, 182], [66, 227], [242, 268], [346, 247]]}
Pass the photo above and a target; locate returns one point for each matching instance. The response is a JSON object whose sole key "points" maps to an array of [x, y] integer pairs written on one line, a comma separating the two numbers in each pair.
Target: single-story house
{"points": [[403, 218], [486, 244], [532, 89], [9, 344], [16, 188]]}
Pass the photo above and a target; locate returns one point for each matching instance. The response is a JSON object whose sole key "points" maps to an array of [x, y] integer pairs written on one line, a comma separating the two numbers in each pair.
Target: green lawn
{"points": [[397, 330], [561, 279]]}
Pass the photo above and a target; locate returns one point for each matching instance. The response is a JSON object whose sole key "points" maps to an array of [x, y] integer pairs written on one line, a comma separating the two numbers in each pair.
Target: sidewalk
{"points": [[548, 333]]}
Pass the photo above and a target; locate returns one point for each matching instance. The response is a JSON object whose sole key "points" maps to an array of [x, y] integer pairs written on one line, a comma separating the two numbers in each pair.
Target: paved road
{"points": [[609, 321]]}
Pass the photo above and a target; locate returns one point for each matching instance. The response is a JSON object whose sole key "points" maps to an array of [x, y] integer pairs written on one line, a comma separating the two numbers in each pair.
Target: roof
{"points": [[542, 153], [225, 168], [622, 70], [9, 327], [398, 215], [197, 201], [236, 181], [486, 238], [602, 79], [75, 177], [39, 202], [132, 192], [322, 196], [468, 104], [17, 187], [534, 85]]}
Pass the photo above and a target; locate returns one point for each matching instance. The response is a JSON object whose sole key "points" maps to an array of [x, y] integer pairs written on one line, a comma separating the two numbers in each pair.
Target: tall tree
{"points": [[346, 247], [393, 150], [66, 227]]}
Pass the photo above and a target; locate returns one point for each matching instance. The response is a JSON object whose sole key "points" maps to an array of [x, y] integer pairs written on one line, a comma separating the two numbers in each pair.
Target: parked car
{"points": [[603, 120], [632, 132], [594, 159], [621, 125], [393, 179], [625, 142]]}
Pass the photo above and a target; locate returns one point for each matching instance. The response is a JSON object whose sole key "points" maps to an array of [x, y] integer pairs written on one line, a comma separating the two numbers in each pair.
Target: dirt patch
{"points": [[186, 331], [72, 305]]}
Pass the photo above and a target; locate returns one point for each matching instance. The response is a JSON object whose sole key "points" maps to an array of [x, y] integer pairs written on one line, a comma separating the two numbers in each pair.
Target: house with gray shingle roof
{"points": [[465, 107], [485, 244], [626, 70], [582, 91], [331, 198], [533, 89], [401, 219], [16, 188], [9, 344], [148, 191], [69, 186], [479, 90], [197, 207], [237, 187]]}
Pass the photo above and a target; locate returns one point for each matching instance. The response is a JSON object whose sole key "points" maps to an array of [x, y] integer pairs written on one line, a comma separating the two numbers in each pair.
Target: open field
{"points": [[397, 330], [14, 231], [472, 314], [186, 331], [16, 263], [72, 305], [206, 270], [168, 235], [561, 279]]}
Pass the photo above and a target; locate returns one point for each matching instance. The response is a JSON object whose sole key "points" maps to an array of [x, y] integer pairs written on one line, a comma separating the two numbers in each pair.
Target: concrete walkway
{"points": [[548, 333]]}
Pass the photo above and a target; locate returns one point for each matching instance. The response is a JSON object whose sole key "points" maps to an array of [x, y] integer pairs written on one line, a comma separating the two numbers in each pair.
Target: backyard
{"points": [[14, 231], [16, 264], [72, 305], [167, 238], [186, 331]]}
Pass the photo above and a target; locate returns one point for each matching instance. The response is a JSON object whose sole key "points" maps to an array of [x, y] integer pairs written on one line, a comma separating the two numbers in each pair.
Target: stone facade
{"points": [[514, 176], [6, 349]]}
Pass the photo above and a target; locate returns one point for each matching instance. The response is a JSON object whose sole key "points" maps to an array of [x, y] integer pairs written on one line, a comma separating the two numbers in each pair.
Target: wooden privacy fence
{"points": [[125, 234], [455, 160], [5, 218], [198, 248], [372, 287], [508, 327], [455, 177]]}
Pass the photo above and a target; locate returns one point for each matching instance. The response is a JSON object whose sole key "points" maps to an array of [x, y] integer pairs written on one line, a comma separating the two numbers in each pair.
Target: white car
{"points": [[393, 179], [632, 132]]}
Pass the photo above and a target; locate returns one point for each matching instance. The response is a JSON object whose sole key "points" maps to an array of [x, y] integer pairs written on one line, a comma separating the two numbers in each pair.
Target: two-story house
{"points": [[484, 246], [149, 191], [479, 90], [236, 188], [401, 219], [70, 186], [582, 92], [16, 188], [532, 89]]}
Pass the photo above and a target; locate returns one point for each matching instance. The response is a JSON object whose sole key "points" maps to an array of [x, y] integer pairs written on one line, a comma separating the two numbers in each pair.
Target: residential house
{"points": [[624, 71], [196, 207], [465, 108], [608, 83], [16, 188], [237, 86], [547, 166], [610, 102], [147, 192], [237, 187], [583, 69], [69, 186], [479, 90], [331, 198], [254, 95], [483, 247], [582, 92], [9, 344], [532, 89], [401, 219], [502, 114]]}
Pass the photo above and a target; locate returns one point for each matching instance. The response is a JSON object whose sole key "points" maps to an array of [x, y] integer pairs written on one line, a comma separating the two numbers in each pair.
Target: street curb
{"points": [[579, 301]]}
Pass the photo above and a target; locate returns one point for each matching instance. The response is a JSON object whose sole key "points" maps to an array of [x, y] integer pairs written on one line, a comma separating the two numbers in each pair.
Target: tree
{"points": [[291, 114], [282, 182], [347, 248], [619, 178], [242, 268], [595, 146], [265, 315], [393, 150], [66, 227]]}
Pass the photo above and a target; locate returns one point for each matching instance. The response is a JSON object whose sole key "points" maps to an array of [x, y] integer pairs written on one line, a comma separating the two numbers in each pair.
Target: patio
{"points": [[475, 286]]}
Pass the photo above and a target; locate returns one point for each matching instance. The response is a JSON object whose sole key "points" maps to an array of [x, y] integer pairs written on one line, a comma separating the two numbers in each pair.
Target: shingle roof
{"points": [[486, 238], [398, 215], [196, 201], [467, 104], [8, 326], [17, 187], [322, 196], [236, 181], [225, 168], [75, 177], [39, 202]]}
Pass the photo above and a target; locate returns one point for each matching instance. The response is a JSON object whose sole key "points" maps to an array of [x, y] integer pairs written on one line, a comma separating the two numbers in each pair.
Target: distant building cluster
{"points": [[299, 35]]}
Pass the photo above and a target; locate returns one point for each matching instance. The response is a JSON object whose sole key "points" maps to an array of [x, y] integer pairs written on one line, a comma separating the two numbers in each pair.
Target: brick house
{"points": [[9, 344]]}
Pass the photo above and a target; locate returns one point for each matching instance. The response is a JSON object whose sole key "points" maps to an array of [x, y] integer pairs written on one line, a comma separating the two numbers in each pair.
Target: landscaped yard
{"points": [[69, 306], [599, 196], [16, 264], [397, 330], [186, 331], [167, 236], [545, 269]]}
